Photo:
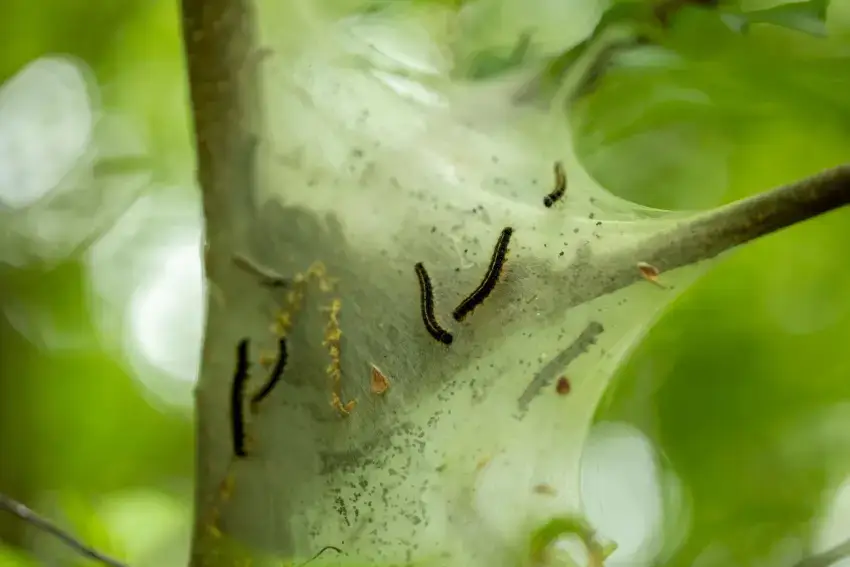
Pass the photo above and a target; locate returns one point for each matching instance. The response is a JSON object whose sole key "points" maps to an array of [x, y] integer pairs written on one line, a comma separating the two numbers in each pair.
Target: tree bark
{"points": [[219, 49]]}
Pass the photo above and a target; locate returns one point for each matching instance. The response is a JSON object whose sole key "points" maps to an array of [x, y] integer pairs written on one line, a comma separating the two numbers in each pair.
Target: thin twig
{"points": [[266, 275], [828, 557], [45, 525]]}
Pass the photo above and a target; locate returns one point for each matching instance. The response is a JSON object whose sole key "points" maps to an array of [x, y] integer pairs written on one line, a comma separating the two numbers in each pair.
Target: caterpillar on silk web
{"points": [[560, 186], [237, 404], [487, 285], [426, 302], [274, 377]]}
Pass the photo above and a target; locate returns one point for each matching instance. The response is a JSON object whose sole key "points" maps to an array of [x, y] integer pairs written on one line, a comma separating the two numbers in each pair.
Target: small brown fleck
{"points": [[379, 383], [563, 386], [649, 273], [546, 489], [265, 275]]}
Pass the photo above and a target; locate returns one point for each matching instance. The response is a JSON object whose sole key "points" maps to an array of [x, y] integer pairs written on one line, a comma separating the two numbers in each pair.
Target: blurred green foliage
{"points": [[78, 432], [740, 382]]}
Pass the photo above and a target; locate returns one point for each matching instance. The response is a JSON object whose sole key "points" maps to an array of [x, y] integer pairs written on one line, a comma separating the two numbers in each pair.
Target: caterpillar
{"points": [[486, 286], [274, 377], [560, 186], [237, 393], [427, 306]]}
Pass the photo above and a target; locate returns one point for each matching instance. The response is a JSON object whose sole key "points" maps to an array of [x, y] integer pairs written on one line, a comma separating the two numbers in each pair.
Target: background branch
{"points": [[29, 516], [828, 557]]}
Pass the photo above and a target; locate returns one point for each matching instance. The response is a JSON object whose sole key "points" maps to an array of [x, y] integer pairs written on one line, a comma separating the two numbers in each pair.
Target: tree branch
{"points": [[221, 61], [707, 235], [29, 516]]}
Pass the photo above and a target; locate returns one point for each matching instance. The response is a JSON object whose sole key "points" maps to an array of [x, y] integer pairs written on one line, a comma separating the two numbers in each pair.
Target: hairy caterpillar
{"points": [[237, 393], [427, 306], [560, 186], [274, 377], [486, 286]]}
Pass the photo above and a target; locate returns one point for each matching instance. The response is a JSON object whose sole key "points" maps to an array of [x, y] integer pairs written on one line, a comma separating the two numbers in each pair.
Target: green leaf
{"points": [[808, 17], [491, 62], [546, 535]]}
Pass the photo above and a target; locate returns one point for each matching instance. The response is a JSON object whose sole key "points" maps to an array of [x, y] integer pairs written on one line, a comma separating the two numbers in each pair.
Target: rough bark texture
{"points": [[219, 51]]}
